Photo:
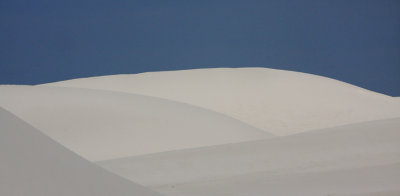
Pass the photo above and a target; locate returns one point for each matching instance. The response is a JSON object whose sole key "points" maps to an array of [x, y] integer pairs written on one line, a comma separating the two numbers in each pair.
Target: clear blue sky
{"points": [[49, 40]]}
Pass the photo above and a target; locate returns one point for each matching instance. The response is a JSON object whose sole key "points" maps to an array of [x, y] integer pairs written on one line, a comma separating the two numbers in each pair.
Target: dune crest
{"points": [[282, 102]]}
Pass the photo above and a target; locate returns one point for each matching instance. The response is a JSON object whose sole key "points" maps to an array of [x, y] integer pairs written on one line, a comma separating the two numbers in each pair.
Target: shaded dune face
{"points": [[101, 125], [33, 164], [281, 102]]}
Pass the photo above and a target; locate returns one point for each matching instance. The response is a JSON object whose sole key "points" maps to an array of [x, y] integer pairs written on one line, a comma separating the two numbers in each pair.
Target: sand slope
{"points": [[341, 159], [33, 164], [370, 181], [102, 125], [200, 132], [282, 102]]}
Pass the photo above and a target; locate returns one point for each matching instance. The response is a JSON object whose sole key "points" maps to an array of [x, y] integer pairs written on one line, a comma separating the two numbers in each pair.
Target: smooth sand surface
{"points": [[307, 162], [244, 131], [101, 125], [378, 181], [35, 165], [277, 101]]}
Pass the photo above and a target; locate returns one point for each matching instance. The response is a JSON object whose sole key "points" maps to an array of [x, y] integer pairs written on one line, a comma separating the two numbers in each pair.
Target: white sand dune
{"points": [[102, 125], [283, 102], [200, 132], [33, 164], [352, 159]]}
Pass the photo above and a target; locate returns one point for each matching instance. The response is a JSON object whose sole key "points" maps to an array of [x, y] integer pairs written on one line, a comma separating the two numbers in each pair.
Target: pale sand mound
{"points": [[33, 164], [102, 125], [352, 159], [282, 102]]}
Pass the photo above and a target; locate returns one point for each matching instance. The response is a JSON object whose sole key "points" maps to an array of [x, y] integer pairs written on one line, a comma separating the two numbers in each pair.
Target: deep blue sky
{"points": [[49, 40]]}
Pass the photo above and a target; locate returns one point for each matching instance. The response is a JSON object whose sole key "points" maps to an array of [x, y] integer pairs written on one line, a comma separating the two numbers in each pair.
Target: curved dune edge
{"points": [[352, 159], [101, 125], [33, 164], [282, 102]]}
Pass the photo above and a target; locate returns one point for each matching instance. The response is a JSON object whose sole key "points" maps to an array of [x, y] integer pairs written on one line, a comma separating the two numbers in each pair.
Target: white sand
{"points": [[282, 102], [200, 132], [102, 125], [371, 181], [31, 164], [343, 160]]}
